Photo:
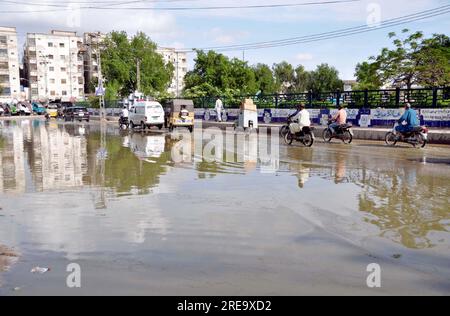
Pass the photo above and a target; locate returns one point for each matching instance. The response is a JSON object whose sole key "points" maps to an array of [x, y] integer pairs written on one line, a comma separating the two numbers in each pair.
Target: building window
{"points": [[4, 78], [61, 45], [63, 81], [62, 57], [50, 44], [34, 91], [50, 56], [52, 81], [52, 93], [51, 69], [63, 69], [64, 93]]}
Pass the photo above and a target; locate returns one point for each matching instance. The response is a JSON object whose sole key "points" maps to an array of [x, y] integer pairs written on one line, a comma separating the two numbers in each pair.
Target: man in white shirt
{"points": [[301, 119], [219, 108], [125, 112]]}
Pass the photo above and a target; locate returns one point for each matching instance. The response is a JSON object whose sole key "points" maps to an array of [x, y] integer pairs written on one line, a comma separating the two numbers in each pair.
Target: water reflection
{"points": [[407, 202]]}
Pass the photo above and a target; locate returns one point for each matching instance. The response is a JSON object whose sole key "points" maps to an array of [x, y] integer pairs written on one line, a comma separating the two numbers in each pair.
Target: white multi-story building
{"points": [[54, 66], [179, 61], [9, 64]]}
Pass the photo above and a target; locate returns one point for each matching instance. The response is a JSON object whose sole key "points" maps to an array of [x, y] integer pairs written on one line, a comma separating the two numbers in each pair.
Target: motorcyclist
{"points": [[300, 119], [410, 120], [125, 114], [340, 118]]}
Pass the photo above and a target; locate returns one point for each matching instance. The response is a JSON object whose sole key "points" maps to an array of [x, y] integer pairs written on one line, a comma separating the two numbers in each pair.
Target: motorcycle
{"points": [[285, 128], [343, 132], [418, 136], [305, 136], [124, 123]]}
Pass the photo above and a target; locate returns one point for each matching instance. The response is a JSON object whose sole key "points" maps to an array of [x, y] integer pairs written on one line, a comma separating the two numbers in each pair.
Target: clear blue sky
{"points": [[187, 29]]}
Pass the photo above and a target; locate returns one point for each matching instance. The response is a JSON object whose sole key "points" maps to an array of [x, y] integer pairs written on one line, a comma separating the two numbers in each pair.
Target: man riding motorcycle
{"points": [[124, 117], [300, 119], [339, 119], [410, 118]]}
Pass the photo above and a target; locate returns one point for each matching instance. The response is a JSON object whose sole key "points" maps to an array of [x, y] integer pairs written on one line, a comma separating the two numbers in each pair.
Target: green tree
{"points": [[367, 77], [120, 60], [284, 76], [265, 79], [324, 79], [433, 61], [302, 79], [216, 74], [414, 60]]}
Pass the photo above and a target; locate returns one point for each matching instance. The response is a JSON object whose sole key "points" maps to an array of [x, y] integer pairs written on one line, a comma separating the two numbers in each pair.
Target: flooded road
{"points": [[138, 223]]}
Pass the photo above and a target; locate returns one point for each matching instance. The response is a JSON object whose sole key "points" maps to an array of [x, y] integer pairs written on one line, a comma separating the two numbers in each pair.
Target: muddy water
{"points": [[138, 223]]}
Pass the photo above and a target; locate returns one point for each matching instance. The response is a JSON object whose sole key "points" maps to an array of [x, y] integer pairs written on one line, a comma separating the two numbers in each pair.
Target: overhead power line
{"points": [[107, 2], [199, 8], [334, 34]]}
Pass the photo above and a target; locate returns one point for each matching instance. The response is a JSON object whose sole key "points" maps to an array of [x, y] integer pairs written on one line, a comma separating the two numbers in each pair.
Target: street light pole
{"points": [[100, 82], [177, 83], [99, 71], [138, 75]]}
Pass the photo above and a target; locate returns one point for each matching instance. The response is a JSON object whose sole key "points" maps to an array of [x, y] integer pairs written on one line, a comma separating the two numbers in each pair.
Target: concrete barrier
{"points": [[435, 136]]}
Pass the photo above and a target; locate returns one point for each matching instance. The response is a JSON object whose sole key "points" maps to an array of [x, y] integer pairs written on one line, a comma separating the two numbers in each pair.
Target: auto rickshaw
{"points": [[52, 110], [179, 113]]}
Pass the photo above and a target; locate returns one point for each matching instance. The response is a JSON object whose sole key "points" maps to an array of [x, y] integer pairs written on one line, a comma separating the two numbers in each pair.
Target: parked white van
{"points": [[146, 114]]}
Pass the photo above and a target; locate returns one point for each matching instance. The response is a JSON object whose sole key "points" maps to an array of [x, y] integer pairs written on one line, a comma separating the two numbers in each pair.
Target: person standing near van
{"points": [[219, 109]]}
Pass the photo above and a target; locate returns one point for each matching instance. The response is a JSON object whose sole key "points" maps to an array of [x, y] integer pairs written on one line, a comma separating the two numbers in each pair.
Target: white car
{"points": [[24, 110], [146, 114], [145, 146]]}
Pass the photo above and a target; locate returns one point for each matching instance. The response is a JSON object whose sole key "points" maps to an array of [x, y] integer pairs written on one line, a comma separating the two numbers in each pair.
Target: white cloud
{"points": [[304, 57], [158, 25], [222, 37]]}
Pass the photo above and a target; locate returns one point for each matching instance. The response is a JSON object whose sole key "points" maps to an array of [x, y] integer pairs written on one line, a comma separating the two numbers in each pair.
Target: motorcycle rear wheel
{"points": [[288, 138], [308, 141], [390, 139], [347, 137], [422, 141]]}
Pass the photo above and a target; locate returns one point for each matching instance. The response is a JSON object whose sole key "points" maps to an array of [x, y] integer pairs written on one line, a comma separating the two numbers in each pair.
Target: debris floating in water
{"points": [[40, 270]]}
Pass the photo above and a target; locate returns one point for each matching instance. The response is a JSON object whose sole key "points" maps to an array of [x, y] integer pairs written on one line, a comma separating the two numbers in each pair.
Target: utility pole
{"points": [[100, 77], [45, 63], [176, 73], [138, 75]]}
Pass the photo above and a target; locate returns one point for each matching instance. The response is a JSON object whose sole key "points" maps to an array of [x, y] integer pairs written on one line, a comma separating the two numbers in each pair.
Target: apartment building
{"points": [[54, 66], [179, 61], [9, 64]]}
